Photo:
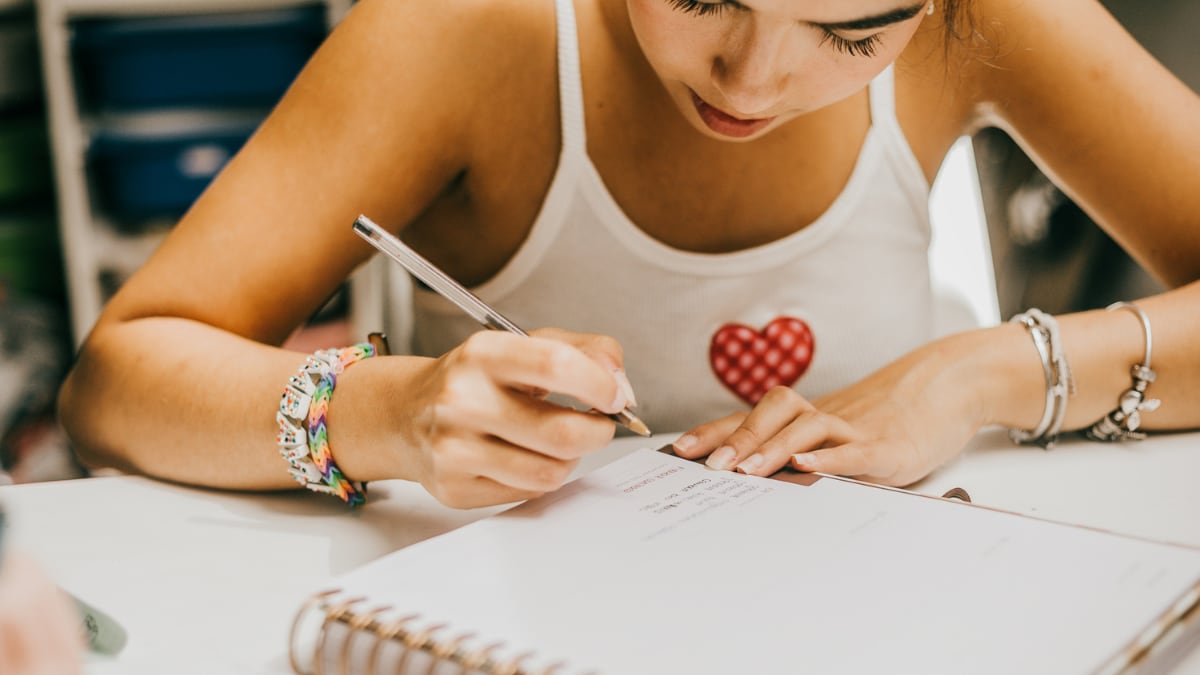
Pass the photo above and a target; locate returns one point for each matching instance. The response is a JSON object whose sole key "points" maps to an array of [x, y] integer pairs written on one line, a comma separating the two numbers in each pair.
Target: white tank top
{"points": [[705, 335]]}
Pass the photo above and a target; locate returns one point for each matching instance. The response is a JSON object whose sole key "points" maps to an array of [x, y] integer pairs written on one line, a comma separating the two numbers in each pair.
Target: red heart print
{"points": [[750, 362]]}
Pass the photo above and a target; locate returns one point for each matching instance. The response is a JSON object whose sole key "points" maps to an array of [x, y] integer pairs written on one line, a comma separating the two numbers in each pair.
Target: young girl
{"points": [[725, 200]]}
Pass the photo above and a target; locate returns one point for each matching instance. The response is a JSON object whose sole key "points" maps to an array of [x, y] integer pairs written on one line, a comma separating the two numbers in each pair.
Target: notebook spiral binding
{"points": [[405, 630]]}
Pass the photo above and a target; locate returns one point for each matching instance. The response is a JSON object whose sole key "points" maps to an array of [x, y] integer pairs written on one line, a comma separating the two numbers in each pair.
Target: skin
{"points": [[439, 164], [39, 631]]}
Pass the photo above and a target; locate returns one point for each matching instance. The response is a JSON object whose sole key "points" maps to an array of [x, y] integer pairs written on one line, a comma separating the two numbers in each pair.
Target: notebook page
{"points": [[656, 565]]}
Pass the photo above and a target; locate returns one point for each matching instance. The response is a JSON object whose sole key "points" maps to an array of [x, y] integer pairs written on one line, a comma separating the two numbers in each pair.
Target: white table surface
{"points": [[208, 582]]}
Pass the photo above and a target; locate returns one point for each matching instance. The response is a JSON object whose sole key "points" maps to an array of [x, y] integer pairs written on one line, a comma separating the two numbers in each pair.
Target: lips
{"points": [[725, 124]]}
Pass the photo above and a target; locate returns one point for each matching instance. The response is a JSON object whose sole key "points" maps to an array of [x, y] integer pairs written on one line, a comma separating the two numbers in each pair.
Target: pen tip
{"points": [[635, 425]]}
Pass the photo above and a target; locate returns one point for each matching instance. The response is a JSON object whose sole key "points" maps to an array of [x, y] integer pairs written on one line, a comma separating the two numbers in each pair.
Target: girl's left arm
{"points": [[1120, 135], [1115, 130]]}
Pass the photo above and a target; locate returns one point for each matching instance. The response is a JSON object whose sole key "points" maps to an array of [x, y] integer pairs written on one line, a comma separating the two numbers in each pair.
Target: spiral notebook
{"points": [[657, 565]]}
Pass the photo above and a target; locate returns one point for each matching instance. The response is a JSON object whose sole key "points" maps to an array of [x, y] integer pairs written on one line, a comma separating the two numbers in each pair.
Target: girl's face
{"points": [[740, 68]]}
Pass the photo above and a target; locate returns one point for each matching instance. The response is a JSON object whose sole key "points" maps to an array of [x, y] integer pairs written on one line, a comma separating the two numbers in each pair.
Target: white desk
{"points": [[207, 582]]}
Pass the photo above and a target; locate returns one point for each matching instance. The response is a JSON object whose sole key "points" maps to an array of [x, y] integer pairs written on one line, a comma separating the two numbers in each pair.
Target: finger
{"points": [[524, 421], [71, 641], [477, 492], [602, 349], [777, 408], [705, 438], [867, 460], [540, 363], [553, 430], [810, 430], [37, 639], [512, 466], [535, 392], [43, 639]]}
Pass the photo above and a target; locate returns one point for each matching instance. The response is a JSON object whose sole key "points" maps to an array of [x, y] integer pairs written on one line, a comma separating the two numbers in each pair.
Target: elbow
{"points": [[1175, 268], [1177, 271], [81, 414], [70, 416], [1189, 278]]}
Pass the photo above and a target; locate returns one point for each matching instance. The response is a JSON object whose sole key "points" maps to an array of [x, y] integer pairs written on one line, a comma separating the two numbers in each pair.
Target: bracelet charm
{"points": [[1122, 423]]}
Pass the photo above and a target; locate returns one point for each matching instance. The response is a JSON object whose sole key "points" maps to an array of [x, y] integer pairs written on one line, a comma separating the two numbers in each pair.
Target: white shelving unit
{"points": [[91, 243]]}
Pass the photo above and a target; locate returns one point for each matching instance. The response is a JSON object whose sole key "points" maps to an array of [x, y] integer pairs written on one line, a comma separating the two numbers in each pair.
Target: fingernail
{"points": [[620, 399], [804, 460], [750, 464], [685, 442], [626, 387], [721, 459]]}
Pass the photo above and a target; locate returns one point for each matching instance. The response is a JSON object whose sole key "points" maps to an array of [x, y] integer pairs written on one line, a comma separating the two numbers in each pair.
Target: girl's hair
{"points": [[956, 18]]}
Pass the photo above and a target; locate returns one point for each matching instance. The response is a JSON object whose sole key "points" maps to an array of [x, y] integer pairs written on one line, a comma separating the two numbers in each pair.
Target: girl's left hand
{"points": [[893, 427]]}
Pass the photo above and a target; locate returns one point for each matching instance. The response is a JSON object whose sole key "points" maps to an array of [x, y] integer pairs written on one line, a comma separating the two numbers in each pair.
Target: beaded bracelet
{"points": [[1121, 423], [303, 409], [1043, 328]]}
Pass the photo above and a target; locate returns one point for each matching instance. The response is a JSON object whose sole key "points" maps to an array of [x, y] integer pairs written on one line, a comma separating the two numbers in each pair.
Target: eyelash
{"points": [[864, 47], [699, 8]]}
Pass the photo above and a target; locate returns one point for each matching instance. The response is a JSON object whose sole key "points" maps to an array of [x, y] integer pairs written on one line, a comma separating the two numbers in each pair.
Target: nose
{"points": [[751, 72]]}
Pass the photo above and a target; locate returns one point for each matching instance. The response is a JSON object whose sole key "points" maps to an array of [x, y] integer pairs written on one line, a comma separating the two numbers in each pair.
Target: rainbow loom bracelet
{"points": [[303, 409]]}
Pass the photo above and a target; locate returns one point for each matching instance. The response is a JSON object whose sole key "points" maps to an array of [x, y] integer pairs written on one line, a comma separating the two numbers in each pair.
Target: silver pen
{"points": [[453, 291]]}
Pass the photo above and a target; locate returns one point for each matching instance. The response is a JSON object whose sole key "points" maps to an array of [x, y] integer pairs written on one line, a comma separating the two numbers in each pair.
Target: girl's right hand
{"points": [[474, 427]]}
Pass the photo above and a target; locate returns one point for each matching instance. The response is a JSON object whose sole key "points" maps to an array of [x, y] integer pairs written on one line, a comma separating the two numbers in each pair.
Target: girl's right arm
{"points": [[181, 378]]}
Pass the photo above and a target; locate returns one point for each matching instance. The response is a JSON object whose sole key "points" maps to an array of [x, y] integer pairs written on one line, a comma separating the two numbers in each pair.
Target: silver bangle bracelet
{"points": [[1121, 423], [1043, 328], [1039, 342]]}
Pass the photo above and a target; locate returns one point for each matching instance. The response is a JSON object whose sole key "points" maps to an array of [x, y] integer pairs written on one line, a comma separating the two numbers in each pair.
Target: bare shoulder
{"points": [[1012, 64], [465, 44], [484, 40], [383, 120], [1021, 54], [1094, 110], [407, 78], [510, 58], [467, 27], [461, 68]]}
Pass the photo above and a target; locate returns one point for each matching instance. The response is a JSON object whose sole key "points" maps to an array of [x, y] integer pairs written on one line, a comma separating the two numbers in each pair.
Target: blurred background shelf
{"points": [[145, 8], [146, 101]]}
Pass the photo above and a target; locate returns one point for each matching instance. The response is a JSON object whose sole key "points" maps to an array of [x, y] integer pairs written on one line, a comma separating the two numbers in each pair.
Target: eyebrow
{"points": [[876, 21]]}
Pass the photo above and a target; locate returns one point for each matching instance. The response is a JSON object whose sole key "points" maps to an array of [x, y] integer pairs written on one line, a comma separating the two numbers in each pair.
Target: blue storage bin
{"points": [[236, 59], [143, 176]]}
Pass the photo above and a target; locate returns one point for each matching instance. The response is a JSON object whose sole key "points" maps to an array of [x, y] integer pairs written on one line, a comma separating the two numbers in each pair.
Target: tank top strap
{"points": [[886, 125], [882, 91], [570, 80]]}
